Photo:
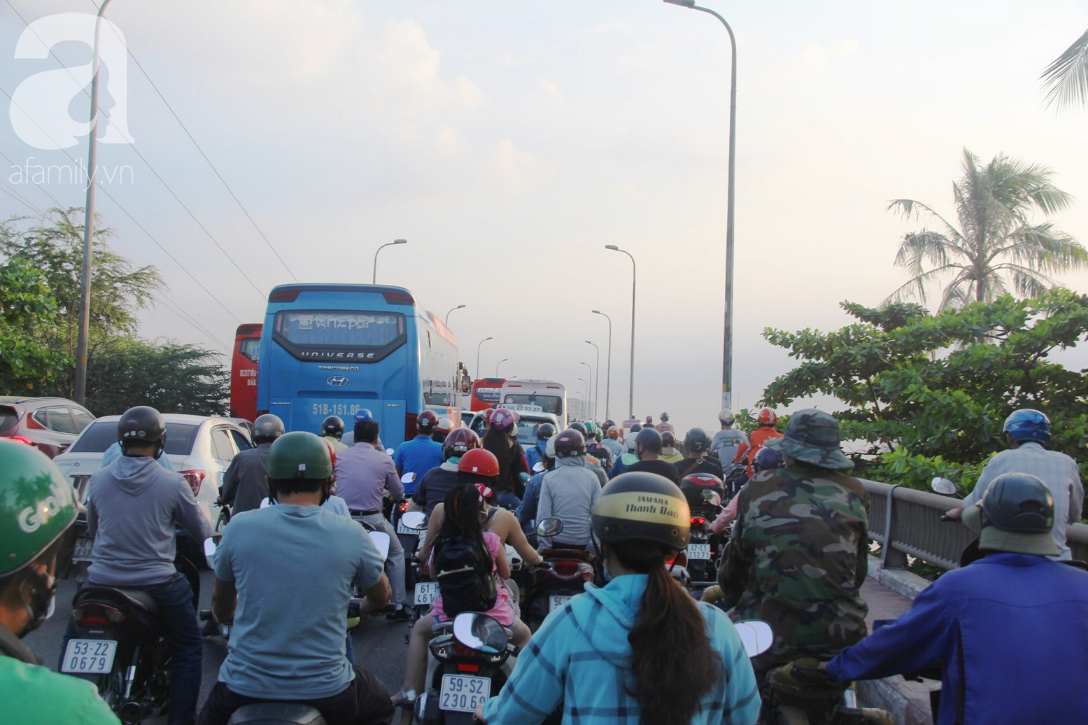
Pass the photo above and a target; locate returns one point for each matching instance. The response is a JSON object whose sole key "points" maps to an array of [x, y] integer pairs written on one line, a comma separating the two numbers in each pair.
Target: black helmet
{"points": [[578, 426], [649, 439], [608, 424], [142, 425], [333, 426], [642, 506], [544, 431], [569, 443], [1018, 516], [668, 439], [268, 428], [768, 458], [636, 427], [664, 417], [697, 441]]}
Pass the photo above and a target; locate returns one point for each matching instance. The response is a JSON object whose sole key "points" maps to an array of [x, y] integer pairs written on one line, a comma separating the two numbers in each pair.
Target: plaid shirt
{"points": [[580, 660]]}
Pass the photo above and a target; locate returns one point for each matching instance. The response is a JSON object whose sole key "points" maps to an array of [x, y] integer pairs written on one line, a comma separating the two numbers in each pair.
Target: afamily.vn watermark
{"points": [[74, 173]]}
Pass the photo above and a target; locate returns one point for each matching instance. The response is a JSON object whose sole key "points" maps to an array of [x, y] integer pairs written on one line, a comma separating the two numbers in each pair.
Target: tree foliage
{"points": [[926, 395], [29, 322], [996, 244], [1066, 78]]}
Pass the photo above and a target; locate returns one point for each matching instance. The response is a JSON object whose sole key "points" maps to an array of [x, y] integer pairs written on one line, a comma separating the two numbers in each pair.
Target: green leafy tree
{"points": [[53, 245], [996, 242], [926, 395], [170, 377], [1066, 79], [29, 321]]}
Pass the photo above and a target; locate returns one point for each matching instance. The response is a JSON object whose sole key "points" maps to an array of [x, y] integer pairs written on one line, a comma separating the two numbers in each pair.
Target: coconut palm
{"points": [[1066, 79], [996, 244]]}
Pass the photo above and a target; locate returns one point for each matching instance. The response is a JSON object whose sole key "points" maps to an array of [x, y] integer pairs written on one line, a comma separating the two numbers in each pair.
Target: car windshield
{"points": [[8, 418], [102, 434], [527, 430]]}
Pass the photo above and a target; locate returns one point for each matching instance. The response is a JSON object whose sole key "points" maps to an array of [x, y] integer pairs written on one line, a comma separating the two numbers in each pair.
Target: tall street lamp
{"points": [[500, 362], [80, 388], [727, 361], [592, 412], [389, 244], [585, 396], [458, 307], [596, 385], [608, 373], [478, 355], [631, 391]]}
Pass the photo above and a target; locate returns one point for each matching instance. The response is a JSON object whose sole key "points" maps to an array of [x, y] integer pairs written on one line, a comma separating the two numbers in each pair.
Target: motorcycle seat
{"points": [[277, 713], [130, 597]]}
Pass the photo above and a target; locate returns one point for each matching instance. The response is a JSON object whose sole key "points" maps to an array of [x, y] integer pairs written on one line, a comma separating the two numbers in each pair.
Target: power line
{"points": [[186, 317], [132, 146], [125, 211], [40, 187], [19, 198]]}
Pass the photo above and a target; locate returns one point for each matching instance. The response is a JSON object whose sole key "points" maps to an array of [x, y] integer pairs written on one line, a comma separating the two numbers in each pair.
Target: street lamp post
{"points": [[631, 391], [596, 385], [608, 373], [585, 396], [500, 362], [478, 355], [80, 387], [447, 322], [592, 412], [389, 244], [727, 360]]}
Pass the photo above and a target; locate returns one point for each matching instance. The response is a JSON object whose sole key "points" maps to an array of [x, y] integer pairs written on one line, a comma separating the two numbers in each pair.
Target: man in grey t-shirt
{"points": [[727, 440], [284, 575]]}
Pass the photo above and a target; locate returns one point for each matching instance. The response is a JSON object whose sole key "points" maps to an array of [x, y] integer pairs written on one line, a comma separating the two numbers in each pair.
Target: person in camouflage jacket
{"points": [[797, 556]]}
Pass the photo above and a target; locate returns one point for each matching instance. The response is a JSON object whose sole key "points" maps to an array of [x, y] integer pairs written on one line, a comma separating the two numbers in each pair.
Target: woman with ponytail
{"points": [[635, 649]]}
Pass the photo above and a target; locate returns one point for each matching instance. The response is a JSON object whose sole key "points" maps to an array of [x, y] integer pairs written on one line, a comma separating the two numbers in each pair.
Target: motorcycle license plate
{"points": [[402, 529], [556, 601], [89, 656], [82, 550], [461, 693], [699, 551], [426, 592]]}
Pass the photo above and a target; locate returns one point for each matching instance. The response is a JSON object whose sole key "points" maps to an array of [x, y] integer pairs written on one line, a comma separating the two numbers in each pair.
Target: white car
{"points": [[526, 425], [197, 447]]}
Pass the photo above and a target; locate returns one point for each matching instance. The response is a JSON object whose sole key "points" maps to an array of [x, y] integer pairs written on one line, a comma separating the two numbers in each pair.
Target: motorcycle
{"points": [[409, 537], [469, 664], [799, 693], [563, 574], [425, 591], [121, 647], [949, 488]]}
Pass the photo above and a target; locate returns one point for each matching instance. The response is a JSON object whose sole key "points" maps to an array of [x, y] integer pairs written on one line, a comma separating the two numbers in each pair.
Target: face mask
{"points": [[43, 600]]}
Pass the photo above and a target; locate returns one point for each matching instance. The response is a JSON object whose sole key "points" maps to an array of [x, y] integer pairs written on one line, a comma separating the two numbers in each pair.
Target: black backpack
{"points": [[464, 580]]}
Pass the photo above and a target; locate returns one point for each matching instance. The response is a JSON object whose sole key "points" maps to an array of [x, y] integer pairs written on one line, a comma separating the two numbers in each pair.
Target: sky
{"points": [[510, 140]]}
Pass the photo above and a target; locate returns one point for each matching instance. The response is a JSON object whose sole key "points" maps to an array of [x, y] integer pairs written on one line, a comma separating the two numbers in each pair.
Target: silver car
{"points": [[197, 447]]}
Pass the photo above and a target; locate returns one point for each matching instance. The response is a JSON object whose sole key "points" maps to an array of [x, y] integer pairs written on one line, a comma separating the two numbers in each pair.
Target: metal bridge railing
{"points": [[908, 522]]}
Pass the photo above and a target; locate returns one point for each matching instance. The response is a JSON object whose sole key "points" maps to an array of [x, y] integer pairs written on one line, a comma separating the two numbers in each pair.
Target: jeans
{"points": [[396, 556], [365, 700], [175, 600]]}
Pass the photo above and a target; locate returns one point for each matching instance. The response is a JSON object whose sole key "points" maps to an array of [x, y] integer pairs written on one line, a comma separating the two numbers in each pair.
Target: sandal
{"points": [[404, 698]]}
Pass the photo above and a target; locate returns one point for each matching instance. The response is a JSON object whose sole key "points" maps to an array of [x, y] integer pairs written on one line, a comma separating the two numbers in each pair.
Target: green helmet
{"points": [[299, 455], [591, 429], [37, 505]]}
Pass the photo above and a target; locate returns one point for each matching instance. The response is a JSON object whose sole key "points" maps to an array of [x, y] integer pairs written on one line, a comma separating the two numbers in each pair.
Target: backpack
{"points": [[464, 582]]}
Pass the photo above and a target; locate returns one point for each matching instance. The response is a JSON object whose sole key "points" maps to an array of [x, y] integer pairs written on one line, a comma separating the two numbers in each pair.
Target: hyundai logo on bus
{"points": [[337, 381]]}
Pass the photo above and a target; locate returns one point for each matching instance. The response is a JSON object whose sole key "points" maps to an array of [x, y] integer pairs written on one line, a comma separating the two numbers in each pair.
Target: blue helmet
{"points": [[363, 414], [1028, 424], [767, 458]]}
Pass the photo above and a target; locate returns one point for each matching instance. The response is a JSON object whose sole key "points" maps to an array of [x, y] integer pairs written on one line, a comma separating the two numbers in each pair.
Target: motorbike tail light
{"points": [[97, 614], [698, 521], [566, 569], [404, 507], [462, 667], [194, 479]]}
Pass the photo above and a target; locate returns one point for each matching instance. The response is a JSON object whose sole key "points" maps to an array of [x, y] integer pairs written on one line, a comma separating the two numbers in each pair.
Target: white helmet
{"points": [[726, 416]]}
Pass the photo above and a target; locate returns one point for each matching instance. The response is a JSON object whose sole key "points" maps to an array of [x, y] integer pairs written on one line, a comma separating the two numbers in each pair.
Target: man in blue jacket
{"points": [[1011, 628], [420, 454]]}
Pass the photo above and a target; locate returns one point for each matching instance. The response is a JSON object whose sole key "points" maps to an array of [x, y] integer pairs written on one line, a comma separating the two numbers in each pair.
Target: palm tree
{"points": [[1066, 79], [995, 243]]}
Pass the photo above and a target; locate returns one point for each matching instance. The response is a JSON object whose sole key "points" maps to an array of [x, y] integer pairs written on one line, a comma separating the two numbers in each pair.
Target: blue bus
{"points": [[331, 349]]}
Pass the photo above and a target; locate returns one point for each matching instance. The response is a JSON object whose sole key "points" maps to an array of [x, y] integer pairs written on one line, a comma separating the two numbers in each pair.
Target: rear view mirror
{"points": [[549, 527], [712, 498], [538, 467], [390, 451], [755, 635], [943, 486], [416, 520], [480, 632], [209, 548], [408, 478], [381, 541]]}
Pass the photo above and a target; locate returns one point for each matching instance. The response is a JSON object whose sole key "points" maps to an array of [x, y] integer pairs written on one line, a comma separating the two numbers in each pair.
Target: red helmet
{"points": [[502, 419], [445, 425], [332, 451], [569, 443], [459, 442], [480, 462], [426, 422], [766, 417], [487, 413]]}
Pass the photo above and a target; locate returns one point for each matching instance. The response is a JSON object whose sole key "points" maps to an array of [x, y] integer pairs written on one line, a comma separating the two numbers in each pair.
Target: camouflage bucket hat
{"points": [[812, 436]]}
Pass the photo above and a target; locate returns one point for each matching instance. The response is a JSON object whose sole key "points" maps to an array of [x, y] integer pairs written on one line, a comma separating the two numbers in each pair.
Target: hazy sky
{"points": [[509, 141]]}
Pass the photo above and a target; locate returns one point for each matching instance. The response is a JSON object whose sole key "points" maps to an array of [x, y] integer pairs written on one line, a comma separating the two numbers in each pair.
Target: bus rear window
{"points": [[550, 403], [339, 328]]}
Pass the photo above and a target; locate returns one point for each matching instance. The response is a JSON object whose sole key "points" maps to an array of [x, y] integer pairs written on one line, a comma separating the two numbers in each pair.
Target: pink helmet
{"points": [[502, 419]]}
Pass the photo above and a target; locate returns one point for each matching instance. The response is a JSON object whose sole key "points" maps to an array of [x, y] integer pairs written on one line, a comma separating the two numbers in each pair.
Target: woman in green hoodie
{"points": [[636, 649]]}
